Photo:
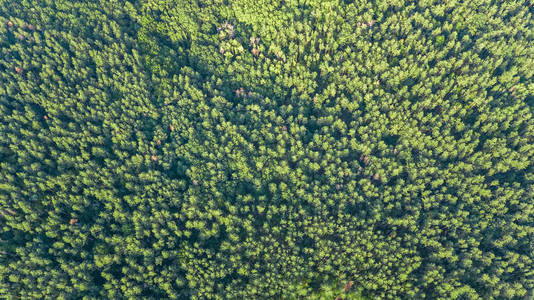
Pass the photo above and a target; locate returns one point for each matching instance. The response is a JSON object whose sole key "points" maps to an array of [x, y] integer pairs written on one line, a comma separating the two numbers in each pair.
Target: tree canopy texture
{"points": [[266, 149]]}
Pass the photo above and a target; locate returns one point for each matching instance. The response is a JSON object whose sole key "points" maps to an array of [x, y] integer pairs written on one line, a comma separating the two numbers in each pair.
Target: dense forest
{"points": [[254, 149]]}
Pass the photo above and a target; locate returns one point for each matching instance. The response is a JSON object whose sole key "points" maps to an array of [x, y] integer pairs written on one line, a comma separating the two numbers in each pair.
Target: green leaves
{"points": [[266, 149]]}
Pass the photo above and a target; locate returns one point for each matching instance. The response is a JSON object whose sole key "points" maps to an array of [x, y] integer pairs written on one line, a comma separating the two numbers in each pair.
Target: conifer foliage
{"points": [[249, 149]]}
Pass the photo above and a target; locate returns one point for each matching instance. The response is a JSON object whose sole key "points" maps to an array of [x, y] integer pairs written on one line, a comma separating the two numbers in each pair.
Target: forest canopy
{"points": [[253, 149]]}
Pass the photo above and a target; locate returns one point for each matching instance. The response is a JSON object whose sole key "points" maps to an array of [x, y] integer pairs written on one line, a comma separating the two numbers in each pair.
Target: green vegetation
{"points": [[252, 149]]}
